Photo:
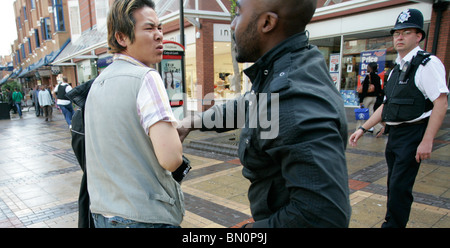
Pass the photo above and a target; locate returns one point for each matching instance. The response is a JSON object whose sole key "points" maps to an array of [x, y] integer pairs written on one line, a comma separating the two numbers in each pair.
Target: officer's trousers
{"points": [[400, 155]]}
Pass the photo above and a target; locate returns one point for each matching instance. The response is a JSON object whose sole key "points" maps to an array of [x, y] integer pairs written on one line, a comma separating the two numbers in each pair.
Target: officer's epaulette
{"points": [[425, 61], [422, 58], [426, 57]]}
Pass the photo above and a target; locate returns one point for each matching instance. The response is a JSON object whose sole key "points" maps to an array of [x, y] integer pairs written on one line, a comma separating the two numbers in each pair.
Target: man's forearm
{"points": [[436, 118], [374, 119]]}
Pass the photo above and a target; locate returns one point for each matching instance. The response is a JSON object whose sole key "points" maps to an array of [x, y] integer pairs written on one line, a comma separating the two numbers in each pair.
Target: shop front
{"points": [[350, 43], [86, 70], [349, 70]]}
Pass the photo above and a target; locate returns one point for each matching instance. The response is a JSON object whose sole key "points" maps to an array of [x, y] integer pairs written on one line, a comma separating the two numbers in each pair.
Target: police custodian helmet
{"points": [[410, 18]]}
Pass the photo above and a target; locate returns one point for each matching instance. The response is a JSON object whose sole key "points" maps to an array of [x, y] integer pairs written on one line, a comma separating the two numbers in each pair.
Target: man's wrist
{"points": [[363, 129]]}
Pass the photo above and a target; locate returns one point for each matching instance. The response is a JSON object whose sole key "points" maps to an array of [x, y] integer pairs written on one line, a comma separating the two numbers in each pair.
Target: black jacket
{"points": [[79, 95], [299, 175], [376, 81]]}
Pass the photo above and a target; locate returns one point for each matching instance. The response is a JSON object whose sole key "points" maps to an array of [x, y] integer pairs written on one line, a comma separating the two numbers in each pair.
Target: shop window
{"points": [[330, 48], [58, 12], [87, 70], [224, 73], [191, 71], [358, 53]]}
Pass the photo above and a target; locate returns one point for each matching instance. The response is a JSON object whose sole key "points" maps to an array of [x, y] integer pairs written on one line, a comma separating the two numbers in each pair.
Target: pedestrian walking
{"points": [[45, 101], [17, 98], [63, 102], [35, 98], [131, 140], [298, 172], [414, 107], [370, 92]]}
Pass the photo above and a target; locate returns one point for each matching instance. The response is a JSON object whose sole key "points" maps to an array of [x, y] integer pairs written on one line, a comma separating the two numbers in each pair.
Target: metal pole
{"points": [[182, 23], [183, 68]]}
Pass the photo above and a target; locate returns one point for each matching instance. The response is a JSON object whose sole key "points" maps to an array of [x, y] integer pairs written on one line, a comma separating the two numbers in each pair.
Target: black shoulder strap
{"points": [[421, 58]]}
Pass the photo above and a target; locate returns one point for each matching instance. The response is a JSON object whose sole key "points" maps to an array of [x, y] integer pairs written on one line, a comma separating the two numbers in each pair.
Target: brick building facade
{"points": [[41, 34]]}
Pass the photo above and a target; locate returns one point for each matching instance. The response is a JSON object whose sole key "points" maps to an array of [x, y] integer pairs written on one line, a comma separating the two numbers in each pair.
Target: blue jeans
{"points": [[68, 112], [19, 108], [101, 221]]}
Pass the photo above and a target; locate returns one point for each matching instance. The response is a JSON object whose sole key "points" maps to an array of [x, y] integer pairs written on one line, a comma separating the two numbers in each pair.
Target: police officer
{"points": [[413, 110]]}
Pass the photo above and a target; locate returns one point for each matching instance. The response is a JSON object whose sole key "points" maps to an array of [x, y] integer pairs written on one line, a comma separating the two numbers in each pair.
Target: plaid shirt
{"points": [[152, 101]]}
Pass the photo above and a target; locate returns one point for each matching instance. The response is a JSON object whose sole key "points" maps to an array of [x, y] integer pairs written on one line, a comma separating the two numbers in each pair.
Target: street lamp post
{"points": [[183, 69]]}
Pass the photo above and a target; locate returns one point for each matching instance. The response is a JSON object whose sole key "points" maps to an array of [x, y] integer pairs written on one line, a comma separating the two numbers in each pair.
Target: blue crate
{"points": [[362, 114]]}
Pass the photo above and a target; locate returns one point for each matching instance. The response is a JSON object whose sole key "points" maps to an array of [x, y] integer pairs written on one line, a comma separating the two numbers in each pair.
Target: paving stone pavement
{"points": [[40, 177]]}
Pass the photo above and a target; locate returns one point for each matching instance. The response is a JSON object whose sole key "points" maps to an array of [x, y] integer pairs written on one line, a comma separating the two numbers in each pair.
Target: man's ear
{"points": [[121, 39], [419, 36], [270, 21]]}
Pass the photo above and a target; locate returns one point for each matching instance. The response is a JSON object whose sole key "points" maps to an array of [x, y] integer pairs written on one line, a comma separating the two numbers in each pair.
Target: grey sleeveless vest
{"points": [[124, 176]]}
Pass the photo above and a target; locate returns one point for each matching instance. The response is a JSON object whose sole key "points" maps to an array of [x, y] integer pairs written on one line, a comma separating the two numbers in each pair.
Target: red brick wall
{"points": [[205, 62], [443, 46], [87, 14]]}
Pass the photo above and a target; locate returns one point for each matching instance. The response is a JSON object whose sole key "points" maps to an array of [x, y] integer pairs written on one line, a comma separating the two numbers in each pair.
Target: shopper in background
{"points": [[17, 98], [46, 103], [370, 92], [63, 102]]}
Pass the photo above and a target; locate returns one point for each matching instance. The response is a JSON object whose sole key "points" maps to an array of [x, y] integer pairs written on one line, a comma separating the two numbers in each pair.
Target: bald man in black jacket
{"points": [[296, 161]]}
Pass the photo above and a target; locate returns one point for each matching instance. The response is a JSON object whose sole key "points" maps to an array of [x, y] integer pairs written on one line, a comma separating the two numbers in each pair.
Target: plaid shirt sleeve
{"points": [[153, 102]]}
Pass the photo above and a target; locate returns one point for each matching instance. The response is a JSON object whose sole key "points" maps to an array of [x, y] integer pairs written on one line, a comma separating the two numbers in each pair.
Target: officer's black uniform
{"points": [[404, 102]]}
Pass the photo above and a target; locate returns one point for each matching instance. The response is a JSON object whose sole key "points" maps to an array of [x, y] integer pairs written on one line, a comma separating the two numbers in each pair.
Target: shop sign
{"points": [[222, 32], [55, 70], [44, 73], [172, 75], [367, 57]]}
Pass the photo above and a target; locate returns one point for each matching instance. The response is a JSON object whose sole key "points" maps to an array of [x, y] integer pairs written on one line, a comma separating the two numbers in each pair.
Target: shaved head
{"points": [[293, 15], [260, 25]]}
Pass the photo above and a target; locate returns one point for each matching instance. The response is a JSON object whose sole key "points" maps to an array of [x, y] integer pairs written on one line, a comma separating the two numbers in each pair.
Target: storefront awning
{"points": [[5, 79], [86, 43], [46, 60], [8, 67], [13, 75]]}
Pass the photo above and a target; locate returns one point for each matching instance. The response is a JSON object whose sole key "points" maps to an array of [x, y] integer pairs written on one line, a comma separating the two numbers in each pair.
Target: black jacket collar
{"points": [[293, 43]]}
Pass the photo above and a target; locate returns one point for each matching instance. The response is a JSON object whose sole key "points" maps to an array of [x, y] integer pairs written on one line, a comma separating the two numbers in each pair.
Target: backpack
{"points": [[78, 95]]}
